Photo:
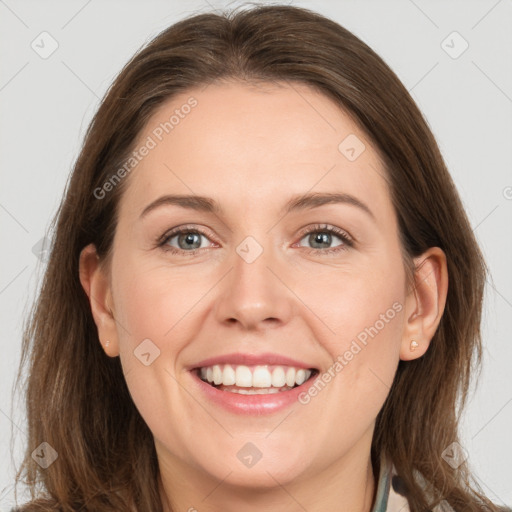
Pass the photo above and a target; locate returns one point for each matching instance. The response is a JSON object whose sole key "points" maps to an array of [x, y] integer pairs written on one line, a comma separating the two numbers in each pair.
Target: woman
{"points": [[310, 351]]}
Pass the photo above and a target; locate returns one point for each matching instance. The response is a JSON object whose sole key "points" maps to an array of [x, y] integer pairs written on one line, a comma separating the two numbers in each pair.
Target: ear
{"points": [[96, 284], [424, 303]]}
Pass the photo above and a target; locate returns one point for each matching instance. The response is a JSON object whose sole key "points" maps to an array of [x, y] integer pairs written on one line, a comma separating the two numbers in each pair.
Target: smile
{"points": [[256, 379]]}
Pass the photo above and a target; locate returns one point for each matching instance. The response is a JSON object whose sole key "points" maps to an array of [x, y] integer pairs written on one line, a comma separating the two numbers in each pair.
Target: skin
{"points": [[251, 148]]}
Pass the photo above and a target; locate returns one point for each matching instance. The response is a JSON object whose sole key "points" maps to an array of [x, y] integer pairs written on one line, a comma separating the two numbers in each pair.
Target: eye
{"points": [[187, 239], [322, 236], [183, 240]]}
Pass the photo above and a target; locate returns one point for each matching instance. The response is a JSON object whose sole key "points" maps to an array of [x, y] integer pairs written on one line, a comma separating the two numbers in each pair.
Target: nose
{"points": [[254, 294]]}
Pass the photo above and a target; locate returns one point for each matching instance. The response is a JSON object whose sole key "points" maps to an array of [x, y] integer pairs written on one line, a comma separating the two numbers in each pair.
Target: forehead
{"points": [[248, 145]]}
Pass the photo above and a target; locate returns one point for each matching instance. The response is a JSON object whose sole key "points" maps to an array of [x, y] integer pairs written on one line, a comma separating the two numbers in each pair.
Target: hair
{"points": [[76, 397]]}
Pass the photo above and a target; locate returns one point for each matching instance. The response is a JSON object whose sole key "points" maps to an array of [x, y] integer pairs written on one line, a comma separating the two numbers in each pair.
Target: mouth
{"points": [[255, 379]]}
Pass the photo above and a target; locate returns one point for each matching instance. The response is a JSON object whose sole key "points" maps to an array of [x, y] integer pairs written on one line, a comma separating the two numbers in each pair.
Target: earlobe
{"points": [[96, 285], [425, 303]]}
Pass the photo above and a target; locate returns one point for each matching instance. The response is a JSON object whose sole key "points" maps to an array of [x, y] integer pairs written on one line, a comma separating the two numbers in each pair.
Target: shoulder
{"points": [[392, 495]]}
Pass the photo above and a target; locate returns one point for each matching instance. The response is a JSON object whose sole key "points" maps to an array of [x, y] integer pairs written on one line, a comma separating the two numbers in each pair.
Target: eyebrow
{"points": [[296, 203]]}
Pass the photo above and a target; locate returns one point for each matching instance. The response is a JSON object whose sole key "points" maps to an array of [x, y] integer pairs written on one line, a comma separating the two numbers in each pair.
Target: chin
{"points": [[263, 468]]}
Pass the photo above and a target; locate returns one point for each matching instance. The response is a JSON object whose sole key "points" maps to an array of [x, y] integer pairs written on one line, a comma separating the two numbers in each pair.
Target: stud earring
{"points": [[107, 343], [414, 345]]}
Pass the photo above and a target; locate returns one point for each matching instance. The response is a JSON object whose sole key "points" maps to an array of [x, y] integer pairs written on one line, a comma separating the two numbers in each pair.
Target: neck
{"points": [[348, 484]]}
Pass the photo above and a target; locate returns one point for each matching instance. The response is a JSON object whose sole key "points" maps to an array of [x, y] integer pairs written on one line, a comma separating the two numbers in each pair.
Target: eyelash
{"points": [[325, 228], [317, 228]]}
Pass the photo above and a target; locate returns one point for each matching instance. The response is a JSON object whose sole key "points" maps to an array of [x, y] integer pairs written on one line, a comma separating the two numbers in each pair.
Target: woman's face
{"points": [[245, 285]]}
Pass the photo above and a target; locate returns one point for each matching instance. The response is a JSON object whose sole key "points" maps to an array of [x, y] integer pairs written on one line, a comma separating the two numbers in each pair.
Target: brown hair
{"points": [[77, 399]]}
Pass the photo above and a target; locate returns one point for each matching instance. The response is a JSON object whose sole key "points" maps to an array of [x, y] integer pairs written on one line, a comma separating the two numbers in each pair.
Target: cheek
{"points": [[151, 302], [367, 318], [359, 324], [153, 328], [355, 302]]}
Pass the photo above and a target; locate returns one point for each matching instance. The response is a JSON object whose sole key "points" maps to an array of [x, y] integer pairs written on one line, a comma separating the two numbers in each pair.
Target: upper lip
{"points": [[251, 360]]}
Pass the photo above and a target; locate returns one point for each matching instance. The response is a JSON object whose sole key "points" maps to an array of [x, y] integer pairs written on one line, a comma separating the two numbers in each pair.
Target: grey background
{"points": [[46, 105]]}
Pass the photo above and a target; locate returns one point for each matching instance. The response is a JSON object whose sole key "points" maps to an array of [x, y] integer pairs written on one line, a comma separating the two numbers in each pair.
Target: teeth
{"points": [[263, 378], [254, 391], [243, 377], [228, 376], [278, 377], [290, 377], [217, 375], [300, 377]]}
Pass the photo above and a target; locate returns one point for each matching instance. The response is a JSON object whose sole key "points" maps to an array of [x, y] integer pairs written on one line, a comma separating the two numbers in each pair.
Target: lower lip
{"points": [[251, 404]]}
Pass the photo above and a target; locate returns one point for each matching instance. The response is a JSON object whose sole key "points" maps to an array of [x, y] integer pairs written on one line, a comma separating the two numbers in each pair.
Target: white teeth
{"points": [[217, 375], [268, 391], [290, 377], [260, 377], [278, 377], [228, 375], [243, 377], [300, 376]]}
